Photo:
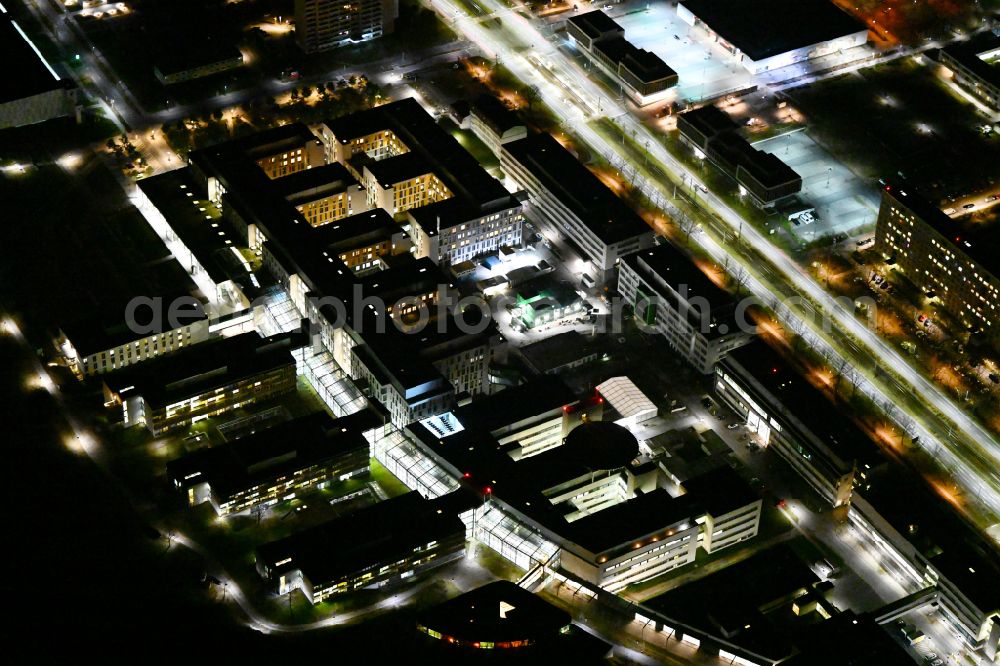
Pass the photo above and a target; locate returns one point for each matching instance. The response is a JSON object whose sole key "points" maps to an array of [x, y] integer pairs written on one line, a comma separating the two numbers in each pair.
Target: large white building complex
{"points": [[771, 34], [587, 503]]}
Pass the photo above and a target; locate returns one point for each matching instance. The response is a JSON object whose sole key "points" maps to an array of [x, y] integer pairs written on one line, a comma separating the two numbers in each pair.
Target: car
{"points": [[968, 206], [733, 426], [992, 198], [930, 656], [937, 662]]}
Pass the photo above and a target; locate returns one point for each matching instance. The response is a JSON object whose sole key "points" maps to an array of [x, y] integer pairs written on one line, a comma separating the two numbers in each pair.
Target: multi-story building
{"points": [[571, 206], [373, 547], [323, 194], [184, 65], [783, 411], [493, 122], [587, 504], [641, 72], [321, 25], [276, 464], [923, 541], [672, 297], [973, 65], [33, 92], [771, 35], [105, 342], [953, 260], [205, 380], [761, 176], [413, 169]]}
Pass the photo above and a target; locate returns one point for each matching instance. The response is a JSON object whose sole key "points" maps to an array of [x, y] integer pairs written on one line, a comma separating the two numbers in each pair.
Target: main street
{"points": [[968, 452]]}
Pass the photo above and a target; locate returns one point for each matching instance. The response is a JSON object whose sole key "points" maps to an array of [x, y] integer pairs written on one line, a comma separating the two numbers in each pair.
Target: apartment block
{"points": [[954, 260], [321, 25]]}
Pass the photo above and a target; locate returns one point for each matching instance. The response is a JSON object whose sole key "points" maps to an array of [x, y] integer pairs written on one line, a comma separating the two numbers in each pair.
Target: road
{"points": [[967, 450]]}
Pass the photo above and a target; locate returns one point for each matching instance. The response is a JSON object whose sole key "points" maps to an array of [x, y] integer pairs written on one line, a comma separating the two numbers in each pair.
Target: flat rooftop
{"points": [[847, 639], [419, 132], [192, 371], [973, 56], [27, 72], [970, 561], [559, 350], [106, 328], [196, 221], [384, 532], [668, 264], [746, 587], [595, 23], [765, 28], [277, 451], [315, 183], [195, 54], [569, 180], [494, 113], [497, 612], [979, 240], [812, 407], [644, 64]]}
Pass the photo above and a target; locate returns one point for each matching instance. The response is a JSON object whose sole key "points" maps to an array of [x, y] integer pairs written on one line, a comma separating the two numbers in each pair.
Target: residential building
{"points": [[954, 260], [761, 176], [571, 206], [385, 543], [204, 380], [672, 297], [321, 25], [33, 91], [800, 422], [277, 463], [770, 35]]}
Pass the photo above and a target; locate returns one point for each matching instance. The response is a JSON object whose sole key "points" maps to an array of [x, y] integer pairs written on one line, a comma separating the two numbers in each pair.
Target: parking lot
{"points": [[845, 203], [706, 70]]}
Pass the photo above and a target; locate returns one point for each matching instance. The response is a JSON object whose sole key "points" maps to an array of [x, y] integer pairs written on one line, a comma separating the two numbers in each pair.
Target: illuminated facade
{"points": [[954, 261], [973, 65], [276, 464], [389, 542], [205, 380], [571, 205], [798, 421], [321, 25], [672, 297]]}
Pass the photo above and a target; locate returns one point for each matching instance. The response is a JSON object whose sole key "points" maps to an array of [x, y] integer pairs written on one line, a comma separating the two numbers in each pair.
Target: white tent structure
{"points": [[627, 400]]}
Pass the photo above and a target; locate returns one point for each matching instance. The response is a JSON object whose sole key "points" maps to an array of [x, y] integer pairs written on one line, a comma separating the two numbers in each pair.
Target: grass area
{"points": [[471, 143], [392, 486]]}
